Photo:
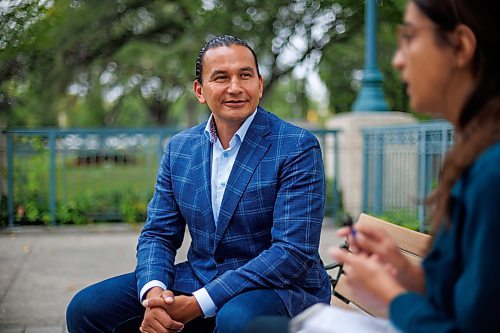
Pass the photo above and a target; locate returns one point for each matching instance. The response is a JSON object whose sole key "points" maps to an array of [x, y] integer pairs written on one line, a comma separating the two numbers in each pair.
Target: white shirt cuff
{"points": [[206, 303], [149, 285]]}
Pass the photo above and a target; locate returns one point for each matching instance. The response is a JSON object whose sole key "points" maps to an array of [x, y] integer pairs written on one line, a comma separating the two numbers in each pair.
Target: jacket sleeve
{"points": [[297, 221], [476, 291], [163, 232]]}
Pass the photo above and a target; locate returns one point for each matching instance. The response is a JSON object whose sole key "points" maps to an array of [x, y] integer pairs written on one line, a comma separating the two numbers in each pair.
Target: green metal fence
{"points": [[401, 165], [85, 175]]}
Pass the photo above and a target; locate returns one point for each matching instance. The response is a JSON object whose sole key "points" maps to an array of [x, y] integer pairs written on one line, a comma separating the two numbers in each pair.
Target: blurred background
{"points": [[91, 91], [123, 63]]}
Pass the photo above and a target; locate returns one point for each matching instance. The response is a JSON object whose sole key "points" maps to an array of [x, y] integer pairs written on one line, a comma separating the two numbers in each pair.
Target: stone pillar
{"points": [[351, 150]]}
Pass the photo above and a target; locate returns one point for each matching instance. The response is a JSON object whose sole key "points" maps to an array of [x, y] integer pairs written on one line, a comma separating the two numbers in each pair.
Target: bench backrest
{"points": [[411, 243]]}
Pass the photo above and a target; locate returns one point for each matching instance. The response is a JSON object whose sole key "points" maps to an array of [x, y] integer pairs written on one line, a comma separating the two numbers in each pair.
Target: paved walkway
{"points": [[41, 268]]}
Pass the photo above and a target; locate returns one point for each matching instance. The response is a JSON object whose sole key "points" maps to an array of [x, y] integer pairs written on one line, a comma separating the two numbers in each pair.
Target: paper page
{"points": [[322, 318]]}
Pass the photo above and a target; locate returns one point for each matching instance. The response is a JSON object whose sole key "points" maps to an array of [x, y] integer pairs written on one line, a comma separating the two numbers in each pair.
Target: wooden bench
{"points": [[411, 243]]}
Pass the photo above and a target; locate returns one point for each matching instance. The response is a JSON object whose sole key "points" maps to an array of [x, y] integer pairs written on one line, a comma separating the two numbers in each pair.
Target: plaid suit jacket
{"points": [[269, 226]]}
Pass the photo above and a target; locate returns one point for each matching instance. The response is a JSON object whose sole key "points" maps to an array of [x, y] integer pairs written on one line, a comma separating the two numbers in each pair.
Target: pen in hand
{"points": [[348, 222]]}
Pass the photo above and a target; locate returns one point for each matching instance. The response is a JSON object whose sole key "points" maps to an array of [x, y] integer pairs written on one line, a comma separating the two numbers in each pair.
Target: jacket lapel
{"points": [[201, 170], [252, 149]]}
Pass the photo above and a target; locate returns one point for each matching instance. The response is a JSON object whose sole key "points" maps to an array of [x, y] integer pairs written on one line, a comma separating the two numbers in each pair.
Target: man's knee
{"points": [[104, 306], [236, 314], [78, 312], [89, 310], [232, 319]]}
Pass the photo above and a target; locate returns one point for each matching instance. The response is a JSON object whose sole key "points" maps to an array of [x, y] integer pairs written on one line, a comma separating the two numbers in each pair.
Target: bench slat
{"points": [[413, 258], [407, 240]]}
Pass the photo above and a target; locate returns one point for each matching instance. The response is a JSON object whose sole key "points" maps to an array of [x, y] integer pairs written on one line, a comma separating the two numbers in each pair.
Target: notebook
{"points": [[322, 318]]}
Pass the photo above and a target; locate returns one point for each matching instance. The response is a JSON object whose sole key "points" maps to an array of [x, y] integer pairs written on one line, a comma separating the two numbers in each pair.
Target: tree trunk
{"points": [[158, 112]]}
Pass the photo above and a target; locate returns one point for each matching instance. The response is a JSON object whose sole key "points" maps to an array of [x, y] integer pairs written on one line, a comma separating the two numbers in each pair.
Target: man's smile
{"points": [[235, 102]]}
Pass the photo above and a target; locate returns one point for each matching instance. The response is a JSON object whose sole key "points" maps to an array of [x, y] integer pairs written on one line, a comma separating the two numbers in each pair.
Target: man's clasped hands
{"points": [[166, 312]]}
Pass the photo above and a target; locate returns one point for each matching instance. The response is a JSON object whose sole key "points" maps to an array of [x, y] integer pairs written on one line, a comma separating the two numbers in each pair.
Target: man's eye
{"points": [[220, 78], [246, 75]]}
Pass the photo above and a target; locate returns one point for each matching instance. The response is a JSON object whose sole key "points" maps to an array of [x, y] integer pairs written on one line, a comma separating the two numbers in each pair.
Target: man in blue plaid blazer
{"points": [[250, 189]]}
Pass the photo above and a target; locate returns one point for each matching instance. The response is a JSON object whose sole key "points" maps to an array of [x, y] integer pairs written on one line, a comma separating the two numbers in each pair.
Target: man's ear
{"points": [[261, 86], [465, 44], [198, 91]]}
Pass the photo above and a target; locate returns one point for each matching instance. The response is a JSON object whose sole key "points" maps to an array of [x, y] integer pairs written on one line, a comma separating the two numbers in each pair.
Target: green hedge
{"points": [[402, 218], [84, 194]]}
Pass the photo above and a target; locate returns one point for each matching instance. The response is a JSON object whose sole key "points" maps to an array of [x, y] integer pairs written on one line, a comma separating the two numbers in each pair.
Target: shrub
{"points": [[329, 202], [402, 218], [84, 194], [3, 211]]}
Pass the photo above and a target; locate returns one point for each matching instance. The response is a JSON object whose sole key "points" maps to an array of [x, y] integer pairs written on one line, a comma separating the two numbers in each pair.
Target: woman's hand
{"points": [[377, 244], [369, 280]]}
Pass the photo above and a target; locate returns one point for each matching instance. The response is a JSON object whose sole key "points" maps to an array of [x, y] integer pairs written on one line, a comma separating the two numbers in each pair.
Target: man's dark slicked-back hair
{"points": [[220, 41]]}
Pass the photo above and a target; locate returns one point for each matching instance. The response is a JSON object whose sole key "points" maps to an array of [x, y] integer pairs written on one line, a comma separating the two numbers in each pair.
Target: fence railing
{"points": [[82, 175], [401, 165]]}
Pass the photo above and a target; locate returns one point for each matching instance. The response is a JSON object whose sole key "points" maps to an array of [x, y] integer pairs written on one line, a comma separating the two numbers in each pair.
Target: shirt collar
{"points": [[211, 131]]}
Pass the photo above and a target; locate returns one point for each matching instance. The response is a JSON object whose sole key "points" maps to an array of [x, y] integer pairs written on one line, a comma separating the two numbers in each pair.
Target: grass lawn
{"points": [[107, 188]]}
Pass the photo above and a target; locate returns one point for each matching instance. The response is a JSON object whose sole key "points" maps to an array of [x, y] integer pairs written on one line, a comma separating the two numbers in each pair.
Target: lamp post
{"points": [[371, 96]]}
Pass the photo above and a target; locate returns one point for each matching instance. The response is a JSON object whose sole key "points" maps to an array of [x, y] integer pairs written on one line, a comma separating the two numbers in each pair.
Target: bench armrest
{"points": [[336, 265]]}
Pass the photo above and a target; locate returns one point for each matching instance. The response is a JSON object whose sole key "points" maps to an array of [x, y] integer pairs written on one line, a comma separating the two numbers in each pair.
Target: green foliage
{"points": [[341, 64], [289, 101], [329, 201], [74, 63], [132, 208], [402, 218], [3, 211], [131, 63], [84, 194], [92, 207]]}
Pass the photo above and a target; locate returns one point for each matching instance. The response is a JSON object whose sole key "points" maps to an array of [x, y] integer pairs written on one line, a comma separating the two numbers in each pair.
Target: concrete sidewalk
{"points": [[41, 268]]}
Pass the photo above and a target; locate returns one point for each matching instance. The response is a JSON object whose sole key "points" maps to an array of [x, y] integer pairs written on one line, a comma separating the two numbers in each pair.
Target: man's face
{"points": [[231, 86]]}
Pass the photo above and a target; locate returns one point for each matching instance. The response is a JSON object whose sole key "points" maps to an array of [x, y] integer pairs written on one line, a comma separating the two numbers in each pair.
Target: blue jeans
{"points": [[112, 306], [269, 324]]}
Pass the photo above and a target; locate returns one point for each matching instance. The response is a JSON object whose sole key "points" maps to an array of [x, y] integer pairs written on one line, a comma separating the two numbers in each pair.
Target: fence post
{"points": [[422, 165], [364, 177], [335, 197], [52, 195], [3, 162], [378, 165]]}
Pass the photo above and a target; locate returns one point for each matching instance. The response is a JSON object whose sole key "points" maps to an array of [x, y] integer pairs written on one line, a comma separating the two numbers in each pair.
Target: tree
{"points": [[131, 62], [74, 50]]}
